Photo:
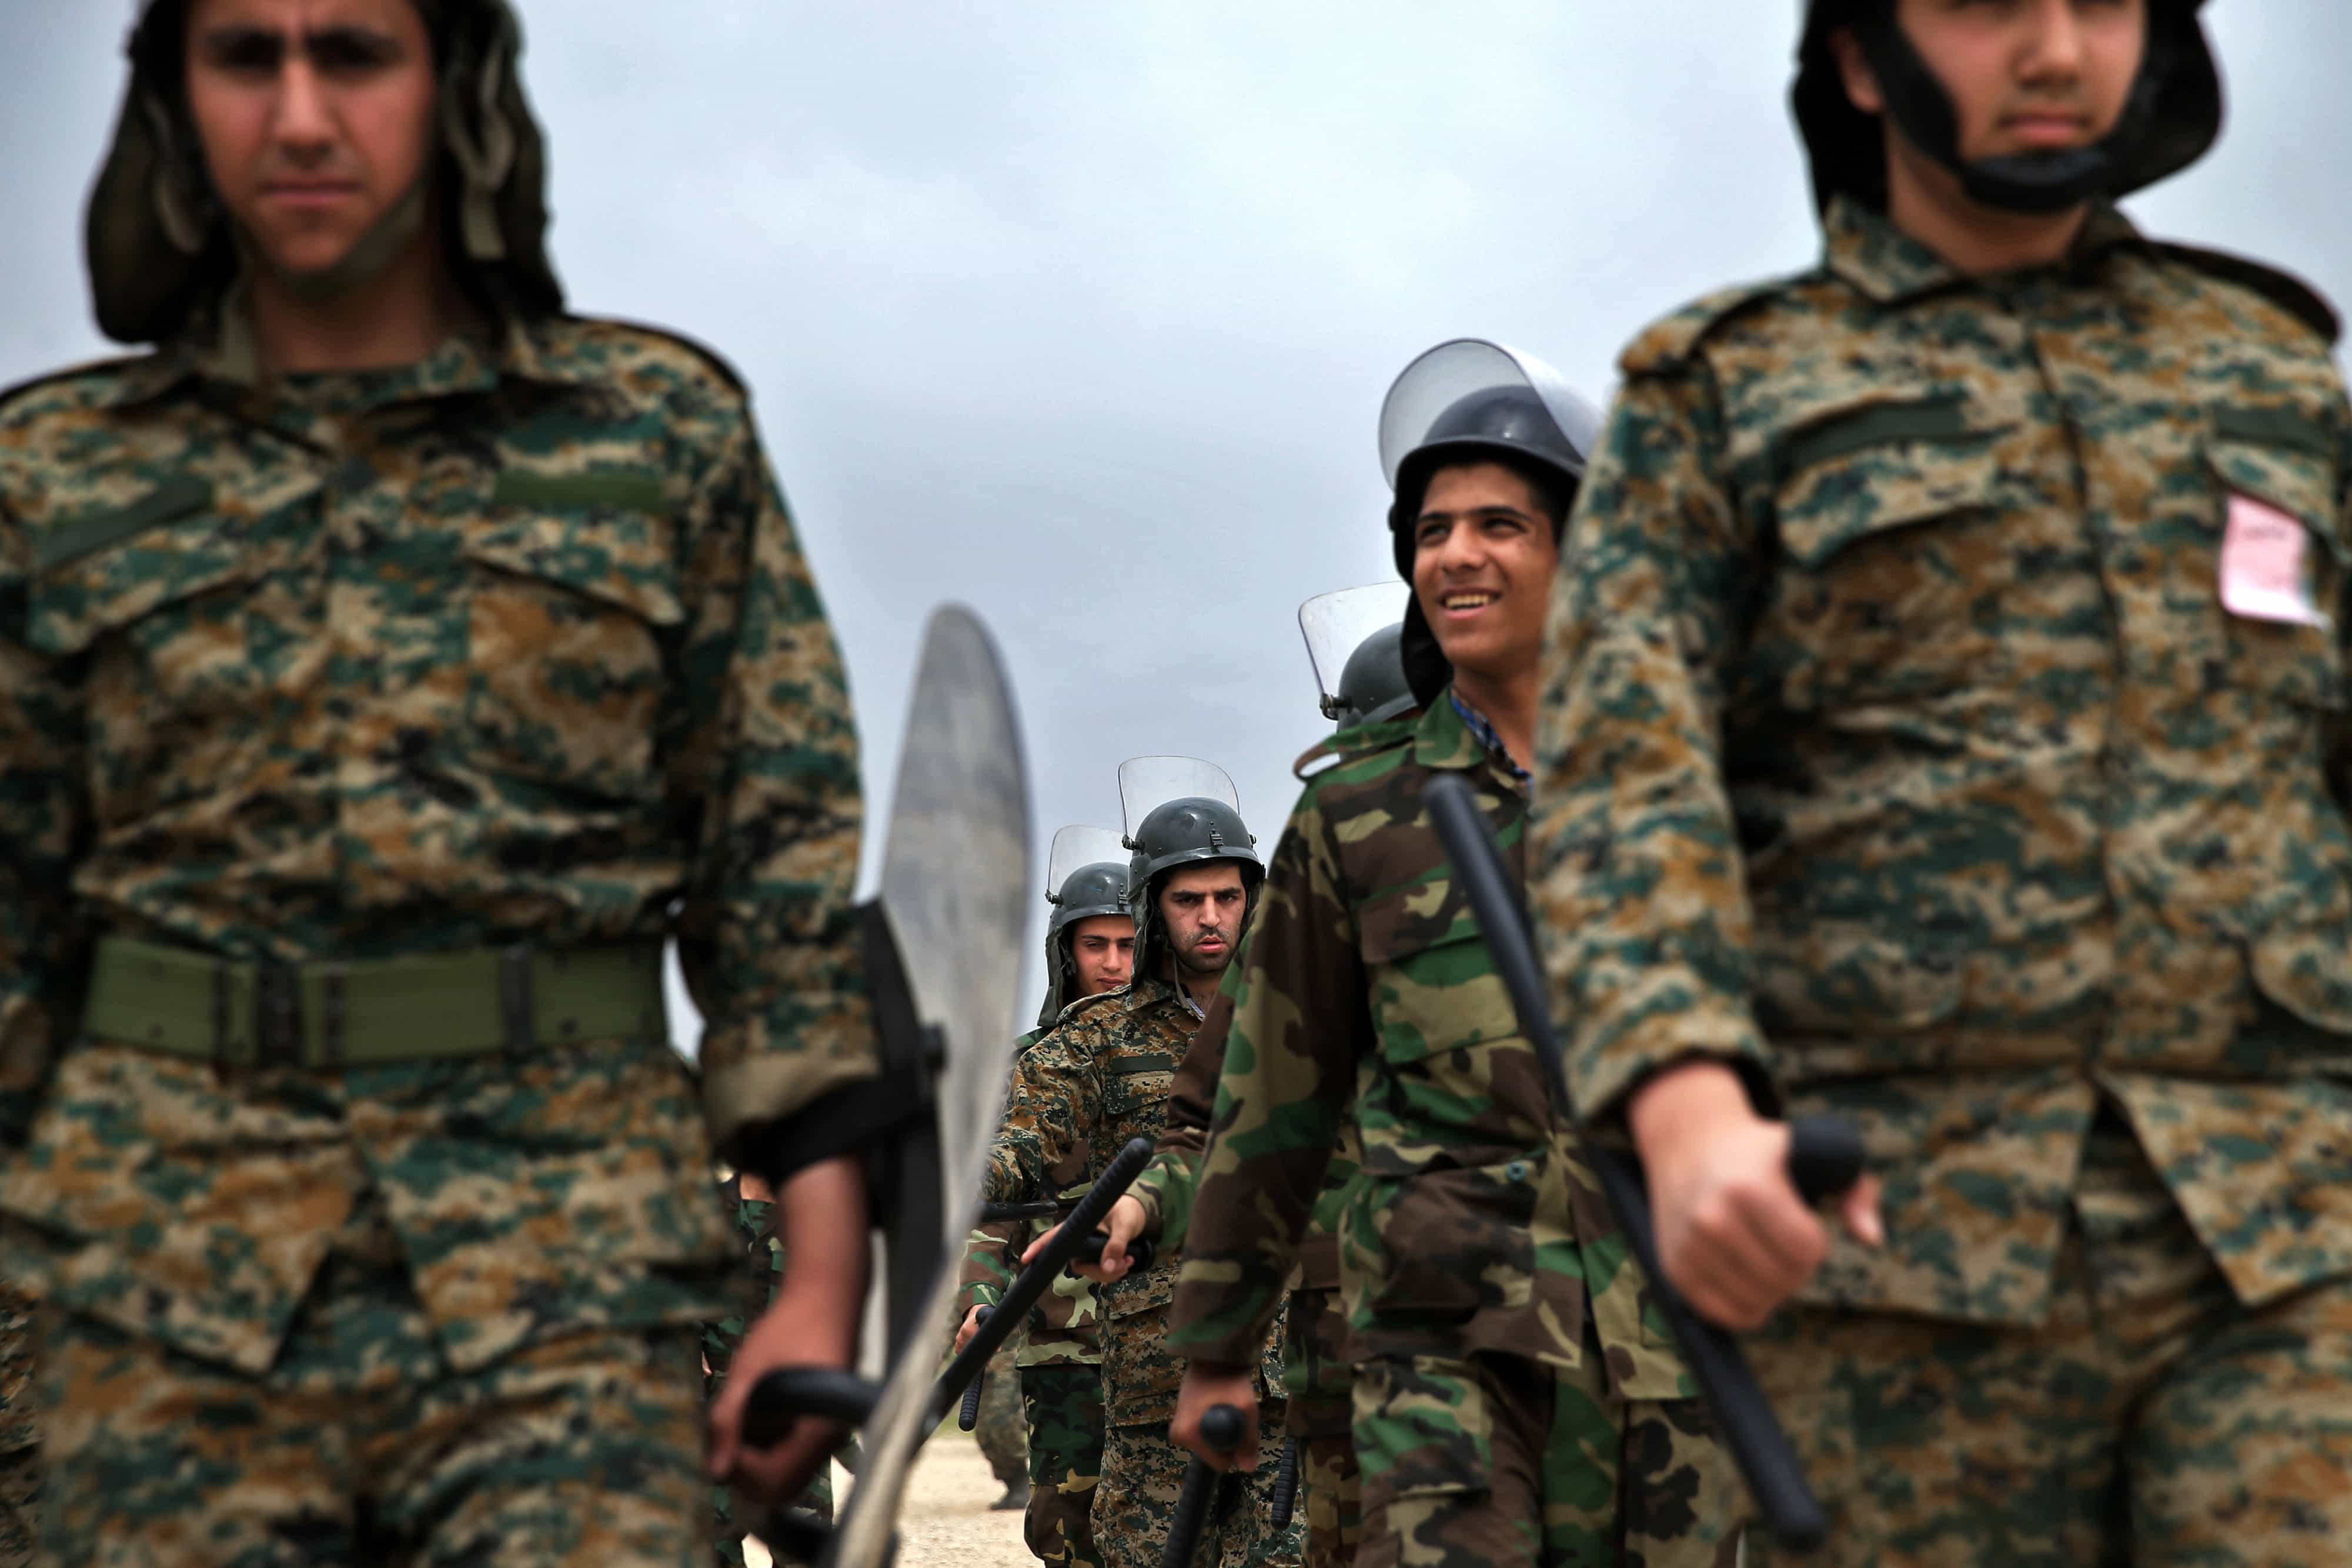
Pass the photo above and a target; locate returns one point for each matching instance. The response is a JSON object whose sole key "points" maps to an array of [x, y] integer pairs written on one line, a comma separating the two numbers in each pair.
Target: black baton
{"points": [[1221, 1428], [1824, 1157], [968, 1417], [1286, 1486]]}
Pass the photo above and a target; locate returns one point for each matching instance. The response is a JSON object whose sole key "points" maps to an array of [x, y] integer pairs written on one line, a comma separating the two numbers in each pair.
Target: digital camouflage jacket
{"points": [[1064, 1326], [1366, 986], [1944, 720], [1099, 1079], [516, 644]]}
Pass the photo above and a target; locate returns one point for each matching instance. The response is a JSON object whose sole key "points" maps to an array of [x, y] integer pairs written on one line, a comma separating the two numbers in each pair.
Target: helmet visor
{"points": [[1335, 624], [1077, 846], [1145, 782], [1451, 372]]}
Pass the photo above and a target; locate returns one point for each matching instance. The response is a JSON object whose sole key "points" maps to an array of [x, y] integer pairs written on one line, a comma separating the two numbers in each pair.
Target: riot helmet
{"points": [[160, 250], [1354, 642], [1462, 402], [1178, 811], [1085, 877], [2171, 119]]}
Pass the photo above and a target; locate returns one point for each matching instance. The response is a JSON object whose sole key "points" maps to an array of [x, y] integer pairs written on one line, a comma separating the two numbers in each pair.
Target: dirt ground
{"points": [[946, 1522]]}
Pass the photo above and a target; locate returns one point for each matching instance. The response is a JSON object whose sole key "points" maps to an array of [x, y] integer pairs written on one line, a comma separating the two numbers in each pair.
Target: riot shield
{"points": [[943, 963], [1335, 624], [1077, 846], [1148, 781]]}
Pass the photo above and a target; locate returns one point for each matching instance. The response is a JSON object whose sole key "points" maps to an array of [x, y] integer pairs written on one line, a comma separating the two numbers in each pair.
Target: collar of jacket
{"points": [[1864, 247], [1445, 738], [221, 351]]}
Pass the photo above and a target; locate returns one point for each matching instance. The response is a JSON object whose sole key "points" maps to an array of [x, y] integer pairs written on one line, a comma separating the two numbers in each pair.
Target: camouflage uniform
{"points": [[1515, 1401], [1318, 1374], [1059, 1356], [20, 1479], [1899, 749], [511, 646], [1099, 1079], [763, 1256]]}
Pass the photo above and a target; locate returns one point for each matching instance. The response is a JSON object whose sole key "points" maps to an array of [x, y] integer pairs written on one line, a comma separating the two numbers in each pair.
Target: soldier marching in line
{"points": [[1945, 728], [1090, 952], [1511, 1404], [1101, 1078], [389, 663]]}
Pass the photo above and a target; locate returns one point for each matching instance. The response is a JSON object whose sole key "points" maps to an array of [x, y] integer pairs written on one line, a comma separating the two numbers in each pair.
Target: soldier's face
{"points": [[2024, 76], [316, 117], [1484, 552], [1202, 906], [1102, 946]]}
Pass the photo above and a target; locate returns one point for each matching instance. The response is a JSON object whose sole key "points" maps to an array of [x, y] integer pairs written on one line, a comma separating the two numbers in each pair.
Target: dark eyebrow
{"points": [[338, 45]]}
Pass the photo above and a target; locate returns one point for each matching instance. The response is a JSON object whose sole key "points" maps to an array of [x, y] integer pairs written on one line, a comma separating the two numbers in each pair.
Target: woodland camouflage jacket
{"points": [[1367, 984], [516, 644], [1945, 719]]}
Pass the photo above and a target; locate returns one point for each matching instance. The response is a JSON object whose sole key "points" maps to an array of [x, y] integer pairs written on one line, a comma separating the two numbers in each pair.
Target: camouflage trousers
{"points": [[1331, 1492], [362, 1446], [2151, 1420], [20, 1454], [1001, 1429], [1143, 1475], [1062, 1403], [1495, 1459], [1321, 1421]]}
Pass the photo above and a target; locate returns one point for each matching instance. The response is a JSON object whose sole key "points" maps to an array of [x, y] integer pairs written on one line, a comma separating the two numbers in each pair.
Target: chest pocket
{"points": [[2286, 461], [104, 568], [1891, 568], [572, 587], [1134, 1096], [1434, 987]]}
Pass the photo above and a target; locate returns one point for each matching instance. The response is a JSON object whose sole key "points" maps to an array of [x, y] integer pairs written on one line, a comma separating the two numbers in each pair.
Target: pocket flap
{"points": [[1845, 977], [617, 557], [102, 570], [2290, 475], [1862, 470]]}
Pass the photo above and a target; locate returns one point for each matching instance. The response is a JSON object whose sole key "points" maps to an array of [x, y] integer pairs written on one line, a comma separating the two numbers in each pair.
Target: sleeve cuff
{"points": [[847, 1121]]}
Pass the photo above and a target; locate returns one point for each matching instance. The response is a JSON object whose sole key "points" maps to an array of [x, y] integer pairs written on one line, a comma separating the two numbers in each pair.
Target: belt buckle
{"points": [[277, 1015]]}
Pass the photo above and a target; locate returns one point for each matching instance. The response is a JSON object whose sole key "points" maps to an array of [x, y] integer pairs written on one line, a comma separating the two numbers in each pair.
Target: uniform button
{"points": [[1516, 1171]]}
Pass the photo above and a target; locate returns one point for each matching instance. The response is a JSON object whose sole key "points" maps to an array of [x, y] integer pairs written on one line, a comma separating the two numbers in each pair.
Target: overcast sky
{"points": [[1082, 313]]}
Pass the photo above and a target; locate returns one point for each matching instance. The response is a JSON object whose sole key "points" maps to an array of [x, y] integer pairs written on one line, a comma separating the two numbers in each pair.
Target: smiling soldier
{"points": [[389, 663], [1510, 1405]]}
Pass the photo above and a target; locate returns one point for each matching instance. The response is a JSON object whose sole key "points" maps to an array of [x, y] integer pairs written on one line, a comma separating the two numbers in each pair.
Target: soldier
{"points": [[1362, 681], [1512, 1405], [1090, 951], [389, 662], [1101, 1078], [1945, 729]]}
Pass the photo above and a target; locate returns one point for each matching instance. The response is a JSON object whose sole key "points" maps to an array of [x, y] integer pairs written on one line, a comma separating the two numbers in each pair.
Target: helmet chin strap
{"points": [[377, 249], [2029, 183]]}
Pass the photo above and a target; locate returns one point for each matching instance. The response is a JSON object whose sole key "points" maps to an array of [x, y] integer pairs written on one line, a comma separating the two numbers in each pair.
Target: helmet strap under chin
{"points": [[1918, 104]]}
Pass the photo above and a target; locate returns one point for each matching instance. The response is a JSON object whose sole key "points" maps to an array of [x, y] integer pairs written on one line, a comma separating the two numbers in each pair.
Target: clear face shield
{"points": [[1440, 379], [1335, 624], [1145, 782], [1077, 846]]}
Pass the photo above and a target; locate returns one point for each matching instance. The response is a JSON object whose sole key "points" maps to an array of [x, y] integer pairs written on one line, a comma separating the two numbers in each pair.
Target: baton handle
{"points": [[968, 1417], [789, 1392], [1221, 1428], [1061, 1245], [995, 1213], [1286, 1486]]}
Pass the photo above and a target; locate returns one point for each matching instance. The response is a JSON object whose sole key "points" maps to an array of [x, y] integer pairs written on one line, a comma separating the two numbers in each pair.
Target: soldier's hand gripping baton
{"points": [[1067, 1240], [968, 1417], [1221, 1428], [1824, 1158]]}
